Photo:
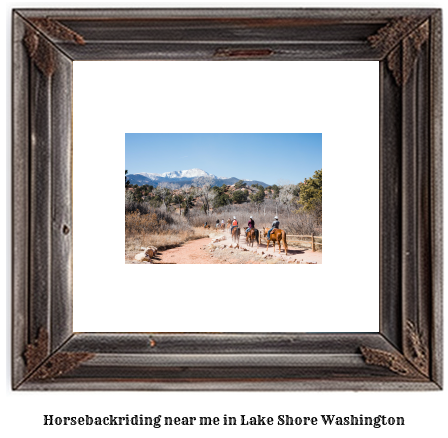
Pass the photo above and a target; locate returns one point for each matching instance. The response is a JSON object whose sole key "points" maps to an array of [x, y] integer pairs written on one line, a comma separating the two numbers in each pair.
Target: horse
{"points": [[252, 235], [236, 234], [206, 226], [223, 226], [278, 236]]}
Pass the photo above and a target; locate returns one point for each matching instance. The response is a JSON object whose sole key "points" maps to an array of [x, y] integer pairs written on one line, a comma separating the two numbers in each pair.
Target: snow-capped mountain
{"points": [[182, 177], [152, 176], [191, 173]]}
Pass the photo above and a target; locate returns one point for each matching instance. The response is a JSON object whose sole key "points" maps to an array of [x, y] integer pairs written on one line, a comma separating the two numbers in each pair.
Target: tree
{"points": [[178, 199], [156, 200], [276, 190], [257, 198], [184, 199], [188, 194], [296, 190], [167, 185], [239, 196], [147, 189], [275, 197], [311, 195], [128, 198], [311, 191], [165, 196], [127, 183], [221, 200], [286, 196], [207, 194], [240, 184], [138, 196]]}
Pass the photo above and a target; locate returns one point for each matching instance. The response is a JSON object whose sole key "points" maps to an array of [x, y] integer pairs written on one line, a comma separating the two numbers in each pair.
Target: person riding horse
{"points": [[234, 224], [251, 233], [250, 224], [217, 223], [275, 224], [277, 235], [229, 224]]}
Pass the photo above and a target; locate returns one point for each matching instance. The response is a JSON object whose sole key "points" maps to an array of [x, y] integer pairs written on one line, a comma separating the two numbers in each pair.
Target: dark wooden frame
{"points": [[406, 354]]}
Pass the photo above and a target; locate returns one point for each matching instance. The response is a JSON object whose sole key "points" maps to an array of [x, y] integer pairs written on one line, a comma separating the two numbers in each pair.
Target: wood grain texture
{"points": [[436, 195], [40, 200], [20, 195], [391, 236], [406, 354], [61, 306]]}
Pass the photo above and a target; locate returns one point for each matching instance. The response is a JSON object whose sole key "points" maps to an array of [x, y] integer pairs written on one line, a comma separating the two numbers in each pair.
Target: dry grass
{"points": [[159, 229], [165, 230], [295, 223], [137, 223], [166, 240]]}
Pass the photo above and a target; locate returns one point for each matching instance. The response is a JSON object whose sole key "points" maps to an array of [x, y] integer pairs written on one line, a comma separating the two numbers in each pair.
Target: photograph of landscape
{"points": [[223, 198]]}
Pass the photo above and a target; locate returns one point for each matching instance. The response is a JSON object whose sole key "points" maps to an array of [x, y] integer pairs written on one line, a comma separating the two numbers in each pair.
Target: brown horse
{"points": [[278, 236], [236, 234], [223, 226], [206, 226], [252, 235]]}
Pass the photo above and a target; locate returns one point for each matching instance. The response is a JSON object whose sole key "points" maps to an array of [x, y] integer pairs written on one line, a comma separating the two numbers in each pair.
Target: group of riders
{"points": [[250, 225]]}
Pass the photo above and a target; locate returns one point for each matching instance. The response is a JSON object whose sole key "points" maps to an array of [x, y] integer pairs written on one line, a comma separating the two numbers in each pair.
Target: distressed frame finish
{"points": [[406, 354]]}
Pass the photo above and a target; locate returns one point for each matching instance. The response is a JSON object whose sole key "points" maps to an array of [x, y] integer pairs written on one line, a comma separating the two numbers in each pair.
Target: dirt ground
{"points": [[203, 251]]}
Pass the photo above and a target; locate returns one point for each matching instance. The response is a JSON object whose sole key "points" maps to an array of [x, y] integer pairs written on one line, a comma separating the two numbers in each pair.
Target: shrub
{"points": [[155, 222]]}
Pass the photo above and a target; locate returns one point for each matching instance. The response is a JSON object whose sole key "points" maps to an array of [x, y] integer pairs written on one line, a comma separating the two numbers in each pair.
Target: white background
{"points": [[425, 413], [114, 98]]}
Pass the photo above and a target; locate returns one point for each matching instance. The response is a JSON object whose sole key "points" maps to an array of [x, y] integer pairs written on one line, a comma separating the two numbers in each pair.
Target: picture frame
{"points": [[406, 353]]}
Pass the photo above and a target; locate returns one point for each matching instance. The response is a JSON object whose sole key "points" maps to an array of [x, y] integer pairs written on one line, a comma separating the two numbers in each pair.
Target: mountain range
{"points": [[182, 177]]}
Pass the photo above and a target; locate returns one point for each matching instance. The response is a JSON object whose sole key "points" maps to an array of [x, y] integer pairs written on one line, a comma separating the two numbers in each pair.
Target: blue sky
{"points": [[270, 158]]}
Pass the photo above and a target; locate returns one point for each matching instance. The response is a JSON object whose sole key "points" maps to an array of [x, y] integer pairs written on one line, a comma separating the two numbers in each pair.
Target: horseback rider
{"points": [[275, 225], [250, 224], [234, 224], [217, 223]]}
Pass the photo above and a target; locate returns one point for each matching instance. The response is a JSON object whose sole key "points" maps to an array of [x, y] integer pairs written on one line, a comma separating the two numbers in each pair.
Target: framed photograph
{"points": [[242, 138], [179, 211]]}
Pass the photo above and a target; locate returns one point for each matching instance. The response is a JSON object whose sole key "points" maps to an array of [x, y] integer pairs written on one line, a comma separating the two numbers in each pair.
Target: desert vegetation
{"points": [[169, 215]]}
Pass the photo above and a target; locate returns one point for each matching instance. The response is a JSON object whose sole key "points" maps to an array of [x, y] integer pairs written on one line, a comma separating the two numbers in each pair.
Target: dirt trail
{"points": [[189, 253], [295, 253], [201, 252]]}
